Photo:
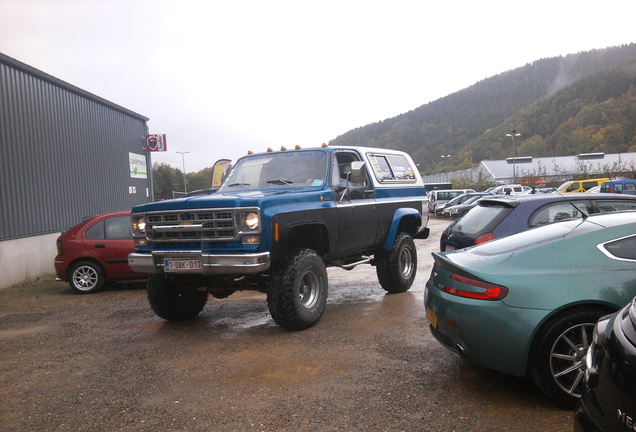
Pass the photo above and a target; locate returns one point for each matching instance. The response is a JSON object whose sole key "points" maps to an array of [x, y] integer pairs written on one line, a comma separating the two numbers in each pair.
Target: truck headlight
{"points": [[139, 225], [251, 220]]}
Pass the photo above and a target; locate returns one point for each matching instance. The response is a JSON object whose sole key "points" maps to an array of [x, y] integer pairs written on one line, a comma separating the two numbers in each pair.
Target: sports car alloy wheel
{"points": [[568, 355]]}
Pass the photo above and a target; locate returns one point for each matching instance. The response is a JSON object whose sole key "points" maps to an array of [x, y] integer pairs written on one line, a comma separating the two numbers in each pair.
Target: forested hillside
{"points": [[579, 103]]}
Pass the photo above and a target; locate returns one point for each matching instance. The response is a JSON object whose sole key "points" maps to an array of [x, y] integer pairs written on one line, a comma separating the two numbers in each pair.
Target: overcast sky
{"points": [[221, 77]]}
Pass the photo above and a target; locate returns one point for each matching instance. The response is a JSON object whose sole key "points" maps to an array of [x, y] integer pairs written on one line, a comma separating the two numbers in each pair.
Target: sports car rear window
{"points": [[624, 248], [611, 206]]}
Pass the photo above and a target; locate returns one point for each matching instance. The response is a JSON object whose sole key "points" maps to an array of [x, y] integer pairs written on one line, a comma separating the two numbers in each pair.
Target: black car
{"points": [[501, 216], [461, 209], [608, 402], [440, 207]]}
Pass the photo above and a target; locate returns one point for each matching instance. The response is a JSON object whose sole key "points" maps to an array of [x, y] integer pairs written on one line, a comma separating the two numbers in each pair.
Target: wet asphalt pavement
{"points": [[105, 362]]}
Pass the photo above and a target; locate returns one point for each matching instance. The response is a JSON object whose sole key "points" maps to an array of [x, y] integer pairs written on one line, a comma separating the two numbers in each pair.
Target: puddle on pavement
{"points": [[22, 317], [235, 325], [30, 331], [255, 321]]}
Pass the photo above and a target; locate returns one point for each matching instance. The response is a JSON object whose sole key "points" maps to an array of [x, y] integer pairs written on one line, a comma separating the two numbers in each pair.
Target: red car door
{"points": [[110, 241]]}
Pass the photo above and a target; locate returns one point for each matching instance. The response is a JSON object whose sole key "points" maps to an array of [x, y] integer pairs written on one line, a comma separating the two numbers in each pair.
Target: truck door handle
{"points": [[100, 245]]}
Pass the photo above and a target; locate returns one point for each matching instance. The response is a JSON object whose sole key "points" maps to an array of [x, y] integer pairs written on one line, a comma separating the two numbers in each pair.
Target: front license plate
{"points": [[432, 317], [176, 265]]}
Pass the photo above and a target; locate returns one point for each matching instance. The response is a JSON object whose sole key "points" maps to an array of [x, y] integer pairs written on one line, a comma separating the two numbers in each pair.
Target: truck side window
{"points": [[355, 181]]}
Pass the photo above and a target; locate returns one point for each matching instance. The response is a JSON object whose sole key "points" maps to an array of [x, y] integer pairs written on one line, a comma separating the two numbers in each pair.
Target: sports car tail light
{"points": [[491, 291], [484, 238]]}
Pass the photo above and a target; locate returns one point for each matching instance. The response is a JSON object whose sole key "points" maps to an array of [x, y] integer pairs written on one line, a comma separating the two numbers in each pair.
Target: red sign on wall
{"points": [[156, 142]]}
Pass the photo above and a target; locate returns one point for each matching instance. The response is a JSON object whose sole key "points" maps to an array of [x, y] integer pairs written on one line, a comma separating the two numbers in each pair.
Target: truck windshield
{"points": [[293, 168]]}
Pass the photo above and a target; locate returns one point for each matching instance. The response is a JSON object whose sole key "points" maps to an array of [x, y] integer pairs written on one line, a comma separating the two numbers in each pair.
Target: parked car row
{"points": [[440, 207], [458, 210], [496, 217], [438, 198]]}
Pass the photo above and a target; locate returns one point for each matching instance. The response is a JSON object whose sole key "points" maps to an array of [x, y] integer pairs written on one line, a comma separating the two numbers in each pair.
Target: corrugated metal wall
{"points": [[64, 153]]}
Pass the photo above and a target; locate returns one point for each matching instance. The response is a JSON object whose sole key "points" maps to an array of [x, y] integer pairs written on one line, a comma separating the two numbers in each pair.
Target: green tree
{"points": [[165, 179], [199, 180]]}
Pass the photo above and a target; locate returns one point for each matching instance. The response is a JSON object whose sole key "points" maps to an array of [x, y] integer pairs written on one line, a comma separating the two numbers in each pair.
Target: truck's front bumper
{"points": [[217, 264]]}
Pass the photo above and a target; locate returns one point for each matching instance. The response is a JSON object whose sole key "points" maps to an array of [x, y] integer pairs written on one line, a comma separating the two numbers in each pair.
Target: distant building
{"points": [[66, 155], [550, 169]]}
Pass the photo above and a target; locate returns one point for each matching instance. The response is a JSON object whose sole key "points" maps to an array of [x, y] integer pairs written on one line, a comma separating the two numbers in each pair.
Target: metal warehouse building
{"points": [[66, 154], [550, 168]]}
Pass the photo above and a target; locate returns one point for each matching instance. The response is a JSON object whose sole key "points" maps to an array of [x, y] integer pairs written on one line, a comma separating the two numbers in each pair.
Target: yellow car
{"points": [[580, 185]]}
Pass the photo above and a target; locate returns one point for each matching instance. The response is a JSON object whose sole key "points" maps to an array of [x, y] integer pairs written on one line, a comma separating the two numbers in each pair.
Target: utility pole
{"points": [[514, 159], [185, 185]]}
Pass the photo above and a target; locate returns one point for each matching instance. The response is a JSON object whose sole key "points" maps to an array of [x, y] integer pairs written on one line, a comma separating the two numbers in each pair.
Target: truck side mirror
{"points": [[358, 174]]}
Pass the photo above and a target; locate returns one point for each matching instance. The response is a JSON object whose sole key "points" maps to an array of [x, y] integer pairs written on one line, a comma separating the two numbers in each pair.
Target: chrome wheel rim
{"points": [[406, 263], [308, 290], [567, 358], [85, 278]]}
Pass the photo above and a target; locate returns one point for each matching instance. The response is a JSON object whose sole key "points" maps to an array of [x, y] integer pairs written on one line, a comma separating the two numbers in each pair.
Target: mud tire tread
{"points": [[388, 266], [283, 294]]}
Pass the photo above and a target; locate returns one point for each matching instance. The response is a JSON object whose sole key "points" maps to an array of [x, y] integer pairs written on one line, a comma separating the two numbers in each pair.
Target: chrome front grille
{"points": [[205, 225]]}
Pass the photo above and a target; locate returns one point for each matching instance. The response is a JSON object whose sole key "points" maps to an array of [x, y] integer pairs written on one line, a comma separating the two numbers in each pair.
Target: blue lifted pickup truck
{"points": [[279, 219]]}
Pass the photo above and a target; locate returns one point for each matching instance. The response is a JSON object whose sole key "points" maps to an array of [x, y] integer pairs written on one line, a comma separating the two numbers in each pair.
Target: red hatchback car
{"points": [[96, 251]]}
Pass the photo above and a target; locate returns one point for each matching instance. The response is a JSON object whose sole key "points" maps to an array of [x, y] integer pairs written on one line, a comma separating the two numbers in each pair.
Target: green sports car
{"points": [[526, 304]]}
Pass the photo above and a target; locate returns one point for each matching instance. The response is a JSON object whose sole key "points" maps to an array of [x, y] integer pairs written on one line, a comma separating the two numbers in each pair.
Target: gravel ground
{"points": [[105, 362]]}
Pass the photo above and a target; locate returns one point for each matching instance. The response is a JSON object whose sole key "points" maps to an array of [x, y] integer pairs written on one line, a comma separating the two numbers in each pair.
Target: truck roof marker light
{"points": [[269, 149], [325, 145], [283, 148], [249, 152], [297, 147]]}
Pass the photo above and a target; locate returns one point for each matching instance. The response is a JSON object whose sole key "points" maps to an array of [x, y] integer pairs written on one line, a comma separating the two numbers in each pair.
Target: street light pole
{"points": [[185, 186], [445, 165], [514, 159]]}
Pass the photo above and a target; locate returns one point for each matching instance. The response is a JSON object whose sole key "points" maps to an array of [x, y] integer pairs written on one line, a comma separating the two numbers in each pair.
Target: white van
{"points": [[513, 189]]}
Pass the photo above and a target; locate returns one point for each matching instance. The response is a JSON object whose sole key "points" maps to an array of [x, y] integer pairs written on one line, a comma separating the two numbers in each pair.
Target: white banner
{"points": [[137, 166]]}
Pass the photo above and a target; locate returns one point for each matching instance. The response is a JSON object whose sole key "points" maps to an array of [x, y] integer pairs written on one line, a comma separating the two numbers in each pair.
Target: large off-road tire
{"points": [[172, 302], [297, 294], [87, 277], [397, 269], [556, 363]]}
